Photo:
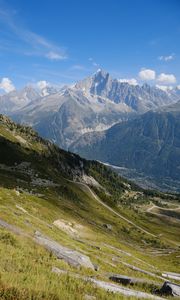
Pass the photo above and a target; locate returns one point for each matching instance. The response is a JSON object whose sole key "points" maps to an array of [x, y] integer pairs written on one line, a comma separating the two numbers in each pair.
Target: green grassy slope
{"points": [[40, 184]]}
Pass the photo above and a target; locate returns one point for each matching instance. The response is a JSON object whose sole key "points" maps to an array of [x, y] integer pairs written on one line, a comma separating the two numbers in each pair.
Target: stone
{"points": [[110, 287], [108, 226], [171, 275], [170, 289], [96, 267], [130, 280], [122, 279], [72, 257]]}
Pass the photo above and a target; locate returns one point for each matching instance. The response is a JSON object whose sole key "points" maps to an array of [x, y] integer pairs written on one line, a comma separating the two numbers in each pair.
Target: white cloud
{"points": [[147, 74], [164, 88], [33, 43], [178, 86], [7, 85], [167, 58], [131, 81], [166, 78], [52, 55], [42, 84]]}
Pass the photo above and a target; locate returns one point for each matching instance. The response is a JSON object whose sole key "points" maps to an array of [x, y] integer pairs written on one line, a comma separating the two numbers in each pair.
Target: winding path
{"points": [[83, 186]]}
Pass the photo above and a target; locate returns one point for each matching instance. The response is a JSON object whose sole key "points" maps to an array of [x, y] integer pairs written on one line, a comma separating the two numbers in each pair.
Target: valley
{"points": [[52, 196]]}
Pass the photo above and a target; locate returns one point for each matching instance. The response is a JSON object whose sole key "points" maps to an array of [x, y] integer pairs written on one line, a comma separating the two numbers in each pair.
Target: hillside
{"points": [[55, 204], [149, 145]]}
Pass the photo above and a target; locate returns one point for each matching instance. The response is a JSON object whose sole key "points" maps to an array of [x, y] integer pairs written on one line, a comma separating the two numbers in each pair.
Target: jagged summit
{"points": [[101, 72], [93, 104]]}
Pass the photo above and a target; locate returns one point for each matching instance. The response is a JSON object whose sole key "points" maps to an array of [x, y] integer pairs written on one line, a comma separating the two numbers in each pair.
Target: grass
{"points": [[26, 273], [25, 268]]}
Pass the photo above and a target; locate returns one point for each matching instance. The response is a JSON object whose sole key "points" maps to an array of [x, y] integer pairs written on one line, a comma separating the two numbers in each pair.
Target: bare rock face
{"points": [[170, 289], [72, 257]]}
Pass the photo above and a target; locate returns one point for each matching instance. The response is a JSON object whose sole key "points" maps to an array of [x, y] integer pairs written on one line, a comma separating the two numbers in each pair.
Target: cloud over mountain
{"points": [[7, 85], [147, 74], [166, 78]]}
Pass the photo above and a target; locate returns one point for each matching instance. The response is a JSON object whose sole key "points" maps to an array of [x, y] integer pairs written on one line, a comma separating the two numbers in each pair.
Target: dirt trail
{"points": [[162, 208], [172, 219], [88, 189]]}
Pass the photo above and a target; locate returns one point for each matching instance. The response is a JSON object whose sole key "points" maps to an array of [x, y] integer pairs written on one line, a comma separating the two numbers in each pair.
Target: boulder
{"points": [[110, 287], [72, 257], [122, 279], [130, 280], [170, 289]]}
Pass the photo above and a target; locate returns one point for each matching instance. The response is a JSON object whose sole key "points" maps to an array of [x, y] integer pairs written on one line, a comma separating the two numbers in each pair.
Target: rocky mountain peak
{"points": [[94, 84], [100, 73]]}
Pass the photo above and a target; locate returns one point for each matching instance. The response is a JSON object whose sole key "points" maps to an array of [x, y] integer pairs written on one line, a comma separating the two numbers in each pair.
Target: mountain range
{"points": [[149, 144], [18, 99], [130, 126], [93, 104]]}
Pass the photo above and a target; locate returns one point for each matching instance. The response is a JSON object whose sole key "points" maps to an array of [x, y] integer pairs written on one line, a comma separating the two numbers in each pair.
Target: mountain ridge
{"points": [[93, 104], [149, 144]]}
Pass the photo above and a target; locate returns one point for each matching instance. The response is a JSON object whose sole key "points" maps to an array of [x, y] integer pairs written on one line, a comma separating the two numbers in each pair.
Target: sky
{"points": [[63, 41]]}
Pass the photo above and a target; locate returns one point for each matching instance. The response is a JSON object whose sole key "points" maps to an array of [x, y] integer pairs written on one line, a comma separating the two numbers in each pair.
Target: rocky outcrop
{"points": [[170, 289], [72, 257], [12, 228], [110, 287], [172, 275]]}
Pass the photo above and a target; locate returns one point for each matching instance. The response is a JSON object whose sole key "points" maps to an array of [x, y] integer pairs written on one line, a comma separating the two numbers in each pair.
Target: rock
{"points": [[122, 279], [140, 270], [170, 289], [17, 193], [110, 287], [12, 228], [171, 275], [72, 257], [37, 233], [108, 226], [130, 280], [96, 267]]}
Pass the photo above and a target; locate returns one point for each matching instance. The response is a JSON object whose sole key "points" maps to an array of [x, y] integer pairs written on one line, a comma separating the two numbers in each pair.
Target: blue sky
{"points": [[62, 41]]}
